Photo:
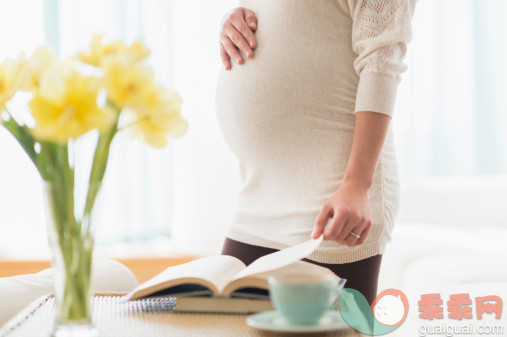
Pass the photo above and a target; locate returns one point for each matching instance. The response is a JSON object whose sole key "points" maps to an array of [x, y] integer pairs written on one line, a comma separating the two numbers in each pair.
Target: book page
{"points": [[217, 270], [298, 267], [259, 281], [281, 258]]}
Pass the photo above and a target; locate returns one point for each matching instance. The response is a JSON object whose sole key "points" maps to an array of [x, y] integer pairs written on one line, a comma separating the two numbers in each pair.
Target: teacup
{"points": [[302, 299]]}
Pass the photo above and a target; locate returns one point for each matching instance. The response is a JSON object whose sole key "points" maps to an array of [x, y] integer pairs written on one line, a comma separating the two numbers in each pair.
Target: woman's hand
{"points": [[349, 208], [237, 32], [349, 211]]}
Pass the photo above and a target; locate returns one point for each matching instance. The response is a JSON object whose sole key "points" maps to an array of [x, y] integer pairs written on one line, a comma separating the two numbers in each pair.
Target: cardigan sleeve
{"points": [[381, 30]]}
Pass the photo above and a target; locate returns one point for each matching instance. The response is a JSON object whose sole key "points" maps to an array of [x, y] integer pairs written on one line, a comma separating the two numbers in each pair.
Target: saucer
{"points": [[273, 321]]}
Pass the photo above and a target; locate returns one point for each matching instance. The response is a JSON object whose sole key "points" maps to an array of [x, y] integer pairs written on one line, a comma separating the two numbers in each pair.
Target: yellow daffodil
{"points": [[129, 84], [65, 104], [22, 73], [40, 60], [14, 75], [99, 52], [154, 123]]}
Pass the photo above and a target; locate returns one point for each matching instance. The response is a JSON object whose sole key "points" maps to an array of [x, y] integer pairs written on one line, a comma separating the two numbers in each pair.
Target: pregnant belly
{"points": [[277, 120], [273, 106], [301, 78], [291, 107]]}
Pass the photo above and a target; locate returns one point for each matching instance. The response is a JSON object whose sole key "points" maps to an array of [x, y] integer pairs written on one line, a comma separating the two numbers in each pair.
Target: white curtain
{"points": [[21, 226], [450, 116], [451, 112], [206, 177]]}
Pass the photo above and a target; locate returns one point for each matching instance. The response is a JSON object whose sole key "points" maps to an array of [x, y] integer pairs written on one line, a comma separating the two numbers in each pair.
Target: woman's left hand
{"points": [[349, 211]]}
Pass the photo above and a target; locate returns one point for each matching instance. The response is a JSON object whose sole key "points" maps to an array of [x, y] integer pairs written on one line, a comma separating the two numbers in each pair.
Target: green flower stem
{"points": [[27, 143], [76, 256], [72, 242], [100, 160], [75, 239], [25, 139]]}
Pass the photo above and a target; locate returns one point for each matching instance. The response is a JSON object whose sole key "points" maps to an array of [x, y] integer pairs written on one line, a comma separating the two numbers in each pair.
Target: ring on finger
{"points": [[357, 236]]}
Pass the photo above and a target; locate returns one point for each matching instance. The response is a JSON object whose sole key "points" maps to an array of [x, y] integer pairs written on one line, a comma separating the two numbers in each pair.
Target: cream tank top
{"points": [[288, 117]]}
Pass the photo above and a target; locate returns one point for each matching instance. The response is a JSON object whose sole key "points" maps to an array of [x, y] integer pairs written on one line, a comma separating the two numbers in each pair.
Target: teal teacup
{"points": [[302, 299]]}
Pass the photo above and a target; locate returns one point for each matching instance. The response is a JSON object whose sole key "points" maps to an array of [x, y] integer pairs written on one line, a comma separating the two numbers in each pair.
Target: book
{"points": [[223, 283], [222, 305]]}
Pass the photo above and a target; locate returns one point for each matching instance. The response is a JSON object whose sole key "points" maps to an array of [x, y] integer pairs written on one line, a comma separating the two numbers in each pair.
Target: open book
{"points": [[225, 276]]}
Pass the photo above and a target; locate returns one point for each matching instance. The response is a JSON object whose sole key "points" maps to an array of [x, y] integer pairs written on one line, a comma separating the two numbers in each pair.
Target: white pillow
{"points": [[109, 276]]}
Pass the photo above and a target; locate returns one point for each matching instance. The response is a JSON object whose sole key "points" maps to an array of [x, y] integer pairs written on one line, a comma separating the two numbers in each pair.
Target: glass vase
{"points": [[71, 241]]}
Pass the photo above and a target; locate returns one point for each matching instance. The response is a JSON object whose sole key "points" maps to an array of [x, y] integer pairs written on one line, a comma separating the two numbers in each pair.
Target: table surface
{"points": [[146, 317]]}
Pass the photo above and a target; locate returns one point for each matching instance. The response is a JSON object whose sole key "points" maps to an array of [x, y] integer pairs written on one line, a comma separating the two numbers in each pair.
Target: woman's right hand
{"points": [[237, 32]]}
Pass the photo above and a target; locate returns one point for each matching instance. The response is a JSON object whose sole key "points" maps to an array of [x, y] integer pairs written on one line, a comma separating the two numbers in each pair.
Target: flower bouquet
{"points": [[101, 91]]}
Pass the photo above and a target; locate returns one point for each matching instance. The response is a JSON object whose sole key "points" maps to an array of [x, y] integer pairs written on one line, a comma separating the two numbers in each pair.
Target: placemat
{"points": [[146, 317]]}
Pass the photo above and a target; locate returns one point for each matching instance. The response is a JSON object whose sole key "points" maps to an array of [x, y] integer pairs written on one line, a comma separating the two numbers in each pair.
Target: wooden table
{"points": [[147, 317]]}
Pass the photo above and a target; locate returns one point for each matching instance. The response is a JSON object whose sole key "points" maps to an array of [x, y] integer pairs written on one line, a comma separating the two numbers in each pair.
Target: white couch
{"points": [[450, 237]]}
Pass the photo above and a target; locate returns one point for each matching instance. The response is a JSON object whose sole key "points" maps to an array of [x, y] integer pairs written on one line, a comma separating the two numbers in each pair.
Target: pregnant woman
{"points": [[305, 102]]}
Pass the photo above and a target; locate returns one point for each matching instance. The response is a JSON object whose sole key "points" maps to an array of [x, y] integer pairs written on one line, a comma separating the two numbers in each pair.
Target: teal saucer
{"points": [[273, 321]]}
